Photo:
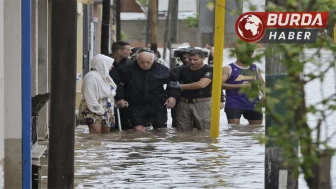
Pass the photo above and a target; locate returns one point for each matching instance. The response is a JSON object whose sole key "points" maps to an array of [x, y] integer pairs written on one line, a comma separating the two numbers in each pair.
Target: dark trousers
{"points": [[173, 115], [124, 119], [153, 112]]}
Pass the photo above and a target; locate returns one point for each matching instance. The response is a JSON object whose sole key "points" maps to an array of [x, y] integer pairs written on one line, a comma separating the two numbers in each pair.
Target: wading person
{"points": [[121, 52], [236, 76], [148, 100], [98, 90], [183, 56], [195, 101]]}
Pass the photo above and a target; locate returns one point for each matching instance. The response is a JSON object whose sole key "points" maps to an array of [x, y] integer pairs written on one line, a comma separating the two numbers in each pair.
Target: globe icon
{"points": [[250, 28]]}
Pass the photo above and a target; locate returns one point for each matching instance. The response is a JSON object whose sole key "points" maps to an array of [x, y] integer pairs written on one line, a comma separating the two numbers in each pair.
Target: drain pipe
{"points": [[26, 61]]}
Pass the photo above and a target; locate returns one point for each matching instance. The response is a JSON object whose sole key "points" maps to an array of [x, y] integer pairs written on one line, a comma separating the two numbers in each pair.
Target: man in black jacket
{"points": [[121, 51], [144, 91]]}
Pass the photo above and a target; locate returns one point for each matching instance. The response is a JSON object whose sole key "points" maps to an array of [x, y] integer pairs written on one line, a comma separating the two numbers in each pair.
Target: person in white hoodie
{"points": [[98, 90]]}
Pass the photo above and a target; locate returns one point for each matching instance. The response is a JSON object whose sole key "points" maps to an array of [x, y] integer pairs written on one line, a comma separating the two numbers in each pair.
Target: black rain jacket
{"points": [[145, 86]]}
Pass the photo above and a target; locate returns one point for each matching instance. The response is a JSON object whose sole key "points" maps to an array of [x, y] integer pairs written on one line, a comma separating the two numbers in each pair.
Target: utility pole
{"points": [[166, 38], [173, 30], [118, 25], [277, 175], [154, 20], [148, 25], [219, 30], [63, 94], [105, 28]]}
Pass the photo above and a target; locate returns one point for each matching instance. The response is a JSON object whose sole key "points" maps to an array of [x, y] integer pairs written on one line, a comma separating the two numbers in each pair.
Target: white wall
{"points": [[184, 5], [13, 116], [2, 108], [12, 85]]}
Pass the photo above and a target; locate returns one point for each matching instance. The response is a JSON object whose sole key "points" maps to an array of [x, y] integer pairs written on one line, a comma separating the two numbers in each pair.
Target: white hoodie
{"points": [[98, 84]]}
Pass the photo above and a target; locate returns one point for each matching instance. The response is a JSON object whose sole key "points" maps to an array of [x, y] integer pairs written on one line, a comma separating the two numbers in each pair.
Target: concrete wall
{"points": [[12, 85], [2, 108], [42, 64], [136, 32]]}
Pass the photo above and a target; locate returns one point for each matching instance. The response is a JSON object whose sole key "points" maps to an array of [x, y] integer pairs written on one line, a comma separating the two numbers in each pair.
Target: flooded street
{"points": [[167, 159]]}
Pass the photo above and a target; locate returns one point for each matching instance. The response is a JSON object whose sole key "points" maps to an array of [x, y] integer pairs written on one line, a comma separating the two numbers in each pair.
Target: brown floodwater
{"points": [[168, 159]]}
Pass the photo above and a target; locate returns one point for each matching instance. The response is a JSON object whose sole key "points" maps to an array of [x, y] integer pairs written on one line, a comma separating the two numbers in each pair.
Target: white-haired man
{"points": [[144, 91]]}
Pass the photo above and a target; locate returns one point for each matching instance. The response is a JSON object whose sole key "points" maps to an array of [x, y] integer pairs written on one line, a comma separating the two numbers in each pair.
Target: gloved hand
{"points": [[174, 84]]}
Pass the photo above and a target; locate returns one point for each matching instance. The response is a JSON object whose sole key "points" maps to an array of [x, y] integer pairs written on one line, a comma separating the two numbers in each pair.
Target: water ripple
{"points": [[167, 159]]}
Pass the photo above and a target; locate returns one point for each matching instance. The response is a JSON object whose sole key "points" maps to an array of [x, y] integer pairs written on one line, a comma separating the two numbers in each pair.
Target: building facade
{"points": [[2, 107], [12, 94]]}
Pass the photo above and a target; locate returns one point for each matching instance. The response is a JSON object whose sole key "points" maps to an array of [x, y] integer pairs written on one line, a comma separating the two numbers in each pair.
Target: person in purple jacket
{"points": [[235, 76]]}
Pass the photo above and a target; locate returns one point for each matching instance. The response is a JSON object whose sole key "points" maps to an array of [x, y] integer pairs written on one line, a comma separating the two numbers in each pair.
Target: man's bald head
{"points": [[145, 60], [146, 55]]}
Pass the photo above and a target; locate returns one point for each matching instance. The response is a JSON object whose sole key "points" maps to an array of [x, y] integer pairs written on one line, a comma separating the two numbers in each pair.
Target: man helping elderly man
{"points": [[195, 101]]}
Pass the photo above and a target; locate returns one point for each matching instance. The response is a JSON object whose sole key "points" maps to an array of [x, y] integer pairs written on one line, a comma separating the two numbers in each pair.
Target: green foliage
{"points": [[143, 3], [123, 36], [192, 21], [288, 127], [211, 5]]}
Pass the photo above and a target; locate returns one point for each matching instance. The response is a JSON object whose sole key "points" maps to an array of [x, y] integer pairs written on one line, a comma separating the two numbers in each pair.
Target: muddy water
{"points": [[167, 159]]}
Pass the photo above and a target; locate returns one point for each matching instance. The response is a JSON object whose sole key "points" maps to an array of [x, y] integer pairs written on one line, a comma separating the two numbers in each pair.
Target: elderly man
{"points": [[144, 91]]}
